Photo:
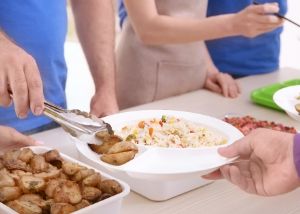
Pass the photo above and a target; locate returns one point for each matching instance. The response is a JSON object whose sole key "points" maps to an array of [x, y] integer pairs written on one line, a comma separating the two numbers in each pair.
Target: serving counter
{"points": [[220, 196]]}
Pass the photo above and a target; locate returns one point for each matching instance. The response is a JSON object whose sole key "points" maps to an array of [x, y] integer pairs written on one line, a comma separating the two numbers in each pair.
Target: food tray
{"points": [[111, 205], [264, 96]]}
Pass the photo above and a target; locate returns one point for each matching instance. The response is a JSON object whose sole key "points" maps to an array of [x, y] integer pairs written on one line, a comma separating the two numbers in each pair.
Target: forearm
{"points": [[96, 29], [171, 30]]}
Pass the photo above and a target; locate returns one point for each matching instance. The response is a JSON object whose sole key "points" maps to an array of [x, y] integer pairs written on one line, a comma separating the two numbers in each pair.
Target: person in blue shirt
{"points": [[241, 56], [32, 64]]}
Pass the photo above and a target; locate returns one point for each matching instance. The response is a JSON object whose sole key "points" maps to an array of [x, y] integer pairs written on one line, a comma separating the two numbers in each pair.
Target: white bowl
{"points": [[147, 174], [286, 99], [110, 205]]}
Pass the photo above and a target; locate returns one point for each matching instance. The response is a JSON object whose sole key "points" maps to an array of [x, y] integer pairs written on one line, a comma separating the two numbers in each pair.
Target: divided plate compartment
{"points": [[110, 205], [162, 173], [264, 96]]}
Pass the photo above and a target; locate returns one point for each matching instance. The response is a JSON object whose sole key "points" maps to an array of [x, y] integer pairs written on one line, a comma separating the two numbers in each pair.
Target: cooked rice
{"points": [[171, 132]]}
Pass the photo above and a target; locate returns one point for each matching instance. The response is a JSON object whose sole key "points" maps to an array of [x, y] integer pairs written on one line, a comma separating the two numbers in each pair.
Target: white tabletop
{"points": [[220, 196]]}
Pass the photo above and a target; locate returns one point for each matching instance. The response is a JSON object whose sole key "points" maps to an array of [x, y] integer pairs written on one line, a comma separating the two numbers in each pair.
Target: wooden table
{"points": [[220, 196]]}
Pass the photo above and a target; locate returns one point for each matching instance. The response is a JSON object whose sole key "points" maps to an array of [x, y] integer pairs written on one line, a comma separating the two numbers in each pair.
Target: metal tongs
{"points": [[79, 124]]}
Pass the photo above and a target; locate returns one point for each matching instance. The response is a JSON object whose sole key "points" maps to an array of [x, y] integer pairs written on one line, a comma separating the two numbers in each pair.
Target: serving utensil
{"points": [[79, 124], [280, 16]]}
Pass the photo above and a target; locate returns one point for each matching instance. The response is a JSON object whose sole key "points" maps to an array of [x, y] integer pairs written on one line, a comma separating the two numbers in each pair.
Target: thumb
{"points": [[241, 148], [16, 137]]}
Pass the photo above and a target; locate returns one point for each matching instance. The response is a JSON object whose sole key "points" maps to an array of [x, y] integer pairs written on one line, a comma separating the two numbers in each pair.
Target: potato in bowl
{"points": [[49, 182]]}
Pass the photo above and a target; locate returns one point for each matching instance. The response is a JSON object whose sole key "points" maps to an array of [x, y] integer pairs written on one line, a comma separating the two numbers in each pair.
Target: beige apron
{"points": [[148, 73]]}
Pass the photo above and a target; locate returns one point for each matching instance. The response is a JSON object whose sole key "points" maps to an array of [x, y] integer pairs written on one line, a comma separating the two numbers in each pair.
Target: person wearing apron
{"points": [[161, 52]]}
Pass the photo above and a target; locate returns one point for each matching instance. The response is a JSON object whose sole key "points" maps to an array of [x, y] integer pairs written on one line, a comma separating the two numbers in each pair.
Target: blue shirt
{"points": [[241, 56], [122, 12], [39, 27]]}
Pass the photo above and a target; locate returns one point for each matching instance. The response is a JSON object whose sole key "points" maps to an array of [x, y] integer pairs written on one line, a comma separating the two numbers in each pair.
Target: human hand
{"points": [[10, 139], [103, 104], [267, 167], [256, 19], [222, 83], [20, 76]]}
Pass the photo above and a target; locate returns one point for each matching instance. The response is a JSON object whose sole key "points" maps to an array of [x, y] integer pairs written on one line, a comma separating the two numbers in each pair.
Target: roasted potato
{"points": [[24, 207], [9, 193], [90, 193], [92, 180], [5, 179], [52, 185], [38, 164], [104, 196], [32, 184], [103, 148], [53, 157], [16, 164], [1, 163], [81, 174], [107, 142], [20, 173], [54, 173], [25, 155], [34, 198], [62, 208], [82, 204], [67, 192], [123, 146], [118, 158], [70, 168], [111, 187]]}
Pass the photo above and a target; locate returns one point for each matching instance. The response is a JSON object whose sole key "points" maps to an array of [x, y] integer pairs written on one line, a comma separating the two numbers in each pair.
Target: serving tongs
{"points": [[79, 124]]}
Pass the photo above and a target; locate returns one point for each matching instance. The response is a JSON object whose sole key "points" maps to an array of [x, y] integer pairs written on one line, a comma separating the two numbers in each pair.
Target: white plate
{"points": [[165, 163], [286, 99]]}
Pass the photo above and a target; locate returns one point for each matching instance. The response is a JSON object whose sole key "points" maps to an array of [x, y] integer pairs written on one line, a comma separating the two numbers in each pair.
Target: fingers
{"points": [[267, 8], [211, 85], [19, 89], [35, 87], [229, 86], [5, 99]]}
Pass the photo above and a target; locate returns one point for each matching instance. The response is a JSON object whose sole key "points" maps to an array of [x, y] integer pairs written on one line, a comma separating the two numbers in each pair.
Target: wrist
{"points": [[232, 24], [296, 153]]}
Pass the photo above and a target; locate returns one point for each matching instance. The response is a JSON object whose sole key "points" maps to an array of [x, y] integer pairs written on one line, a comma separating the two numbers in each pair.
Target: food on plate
{"points": [[113, 149], [247, 123], [169, 131], [45, 183], [118, 158]]}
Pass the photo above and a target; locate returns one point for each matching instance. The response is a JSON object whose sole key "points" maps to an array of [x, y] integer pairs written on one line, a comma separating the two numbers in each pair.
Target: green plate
{"points": [[264, 96]]}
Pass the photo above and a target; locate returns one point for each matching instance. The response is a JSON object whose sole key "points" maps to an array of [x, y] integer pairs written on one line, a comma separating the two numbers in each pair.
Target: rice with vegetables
{"points": [[169, 131]]}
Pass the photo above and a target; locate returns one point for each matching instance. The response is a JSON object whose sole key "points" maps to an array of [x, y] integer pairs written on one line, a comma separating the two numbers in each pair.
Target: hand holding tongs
{"points": [[79, 124]]}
